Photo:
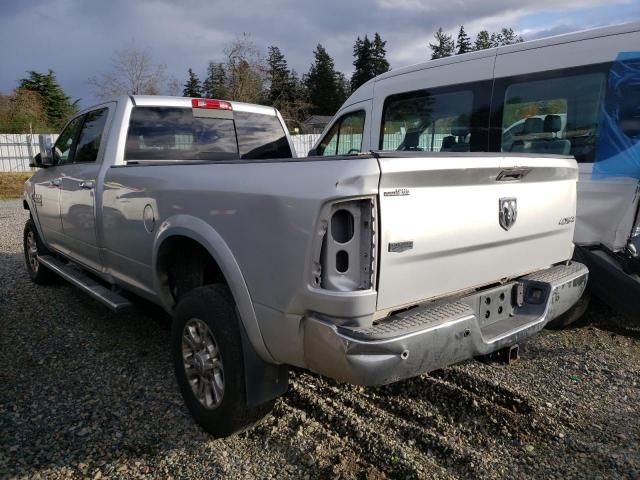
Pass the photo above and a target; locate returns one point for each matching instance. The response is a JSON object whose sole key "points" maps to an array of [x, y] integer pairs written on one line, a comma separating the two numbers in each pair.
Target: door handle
{"points": [[86, 185], [512, 174]]}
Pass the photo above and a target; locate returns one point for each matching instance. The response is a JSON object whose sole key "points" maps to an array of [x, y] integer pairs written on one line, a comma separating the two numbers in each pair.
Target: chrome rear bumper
{"points": [[436, 335]]}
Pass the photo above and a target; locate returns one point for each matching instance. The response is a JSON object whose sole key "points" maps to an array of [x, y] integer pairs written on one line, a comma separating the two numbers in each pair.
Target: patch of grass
{"points": [[12, 184]]}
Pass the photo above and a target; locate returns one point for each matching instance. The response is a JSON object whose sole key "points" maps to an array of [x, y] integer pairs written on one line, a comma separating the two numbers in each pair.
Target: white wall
{"points": [[17, 150], [304, 143]]}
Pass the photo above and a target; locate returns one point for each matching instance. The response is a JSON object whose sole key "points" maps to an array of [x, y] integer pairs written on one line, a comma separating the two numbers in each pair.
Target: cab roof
{"points": [[167, 101]]}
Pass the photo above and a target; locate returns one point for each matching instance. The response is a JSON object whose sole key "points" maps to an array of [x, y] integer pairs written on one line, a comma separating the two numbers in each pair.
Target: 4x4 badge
{"points": [[508, 212]]}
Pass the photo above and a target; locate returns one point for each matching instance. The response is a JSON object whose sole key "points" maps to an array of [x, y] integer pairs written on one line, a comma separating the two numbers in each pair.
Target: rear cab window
{"points": [[186, 134]]}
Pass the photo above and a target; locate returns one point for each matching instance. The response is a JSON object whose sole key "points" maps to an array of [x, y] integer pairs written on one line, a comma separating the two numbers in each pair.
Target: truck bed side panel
{"points": [[267, 213]]}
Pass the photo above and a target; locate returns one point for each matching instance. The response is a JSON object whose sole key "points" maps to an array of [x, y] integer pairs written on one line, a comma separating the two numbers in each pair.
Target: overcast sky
{"points": [[76, 38]]}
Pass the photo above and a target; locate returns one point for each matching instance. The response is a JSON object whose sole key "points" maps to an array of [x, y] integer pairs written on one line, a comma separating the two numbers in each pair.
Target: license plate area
{"points": [[496, 304]]}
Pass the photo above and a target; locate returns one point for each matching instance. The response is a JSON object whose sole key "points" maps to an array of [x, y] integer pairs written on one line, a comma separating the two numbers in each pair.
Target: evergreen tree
{"points": [[299, 93], [57, 105], [278, 75], [483, 41], [445, 46], [343, 88], [296, 109], [463, 45], [215, 85], [381, 64], [193, 87], [505, 36], [370, 60], [363, 62], [325, 87]]}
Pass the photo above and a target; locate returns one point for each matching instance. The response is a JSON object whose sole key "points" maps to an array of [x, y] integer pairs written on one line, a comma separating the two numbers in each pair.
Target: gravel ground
{"points": [[86, 393]]}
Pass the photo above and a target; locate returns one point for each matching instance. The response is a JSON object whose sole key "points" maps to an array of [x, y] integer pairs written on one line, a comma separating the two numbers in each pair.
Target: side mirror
{"points": [[46, 151], [47, 160], [312, 153], [37, 161], [41, 162]]}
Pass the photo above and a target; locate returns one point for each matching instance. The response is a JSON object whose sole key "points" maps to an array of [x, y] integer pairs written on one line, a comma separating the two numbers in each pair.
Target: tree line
{"points": [[243, 73], [38, 104], [446, 46]]}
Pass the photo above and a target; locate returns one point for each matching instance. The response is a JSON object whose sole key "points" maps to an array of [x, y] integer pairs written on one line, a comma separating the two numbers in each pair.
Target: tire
{"points": [[33, 247], [573, 314], [216, 358]]}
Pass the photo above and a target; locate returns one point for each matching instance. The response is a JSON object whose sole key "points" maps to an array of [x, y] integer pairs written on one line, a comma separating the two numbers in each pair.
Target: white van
{"points": [[576, 94]]}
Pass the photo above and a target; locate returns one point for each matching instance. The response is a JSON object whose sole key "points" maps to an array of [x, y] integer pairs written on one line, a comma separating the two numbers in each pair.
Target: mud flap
{"points": [[263, 381]]}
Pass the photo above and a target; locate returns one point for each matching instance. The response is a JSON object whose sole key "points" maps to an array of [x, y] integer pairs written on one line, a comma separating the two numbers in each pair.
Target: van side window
{"points": [[424, 121], [345, 136], [555, 116]]}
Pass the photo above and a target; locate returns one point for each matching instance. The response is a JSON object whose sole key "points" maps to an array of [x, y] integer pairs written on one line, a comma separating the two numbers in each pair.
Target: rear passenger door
{"points": [[78, 190]]}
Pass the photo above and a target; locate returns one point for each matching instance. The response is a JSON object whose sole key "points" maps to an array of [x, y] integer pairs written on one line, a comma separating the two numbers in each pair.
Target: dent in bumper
{"points": [[334, 352]]}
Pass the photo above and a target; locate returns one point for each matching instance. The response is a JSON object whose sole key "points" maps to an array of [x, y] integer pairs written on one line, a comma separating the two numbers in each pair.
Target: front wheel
{"points": [[33, 247], [208, 361]]}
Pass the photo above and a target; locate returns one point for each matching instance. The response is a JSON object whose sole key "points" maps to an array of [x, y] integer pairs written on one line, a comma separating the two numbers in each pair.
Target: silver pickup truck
{"points": [[365, 268]]}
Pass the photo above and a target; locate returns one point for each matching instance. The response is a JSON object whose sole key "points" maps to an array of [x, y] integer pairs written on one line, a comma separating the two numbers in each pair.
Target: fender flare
{"points": [[203, 233], [33, 213]]}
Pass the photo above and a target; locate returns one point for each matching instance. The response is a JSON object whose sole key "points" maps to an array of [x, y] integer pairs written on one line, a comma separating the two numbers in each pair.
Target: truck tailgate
{"points": [[441, 229]]}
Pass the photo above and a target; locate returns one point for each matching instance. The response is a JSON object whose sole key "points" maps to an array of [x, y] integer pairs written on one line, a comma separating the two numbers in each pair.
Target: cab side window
{"points": [[345, 136], [90, 136], [63, 148]]}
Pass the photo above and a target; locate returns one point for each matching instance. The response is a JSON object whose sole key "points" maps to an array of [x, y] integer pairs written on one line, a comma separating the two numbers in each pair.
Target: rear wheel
{"points": [[33, 247], [208, 361], [573, 314]]}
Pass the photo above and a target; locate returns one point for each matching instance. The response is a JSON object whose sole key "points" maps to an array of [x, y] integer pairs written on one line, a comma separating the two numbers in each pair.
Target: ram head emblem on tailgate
{"points": [[508, 212]]}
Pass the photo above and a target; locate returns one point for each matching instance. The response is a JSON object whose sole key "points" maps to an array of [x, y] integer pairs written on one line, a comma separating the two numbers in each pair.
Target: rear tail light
{"points": [[347, 258], [210, 104]]}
